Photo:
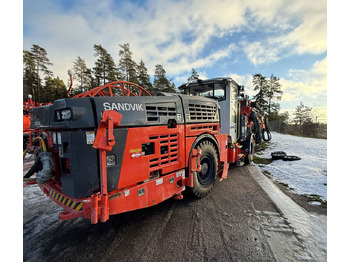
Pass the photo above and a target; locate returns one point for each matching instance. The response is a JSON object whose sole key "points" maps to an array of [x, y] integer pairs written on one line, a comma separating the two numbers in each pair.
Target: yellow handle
{"points": [[42, 143]]}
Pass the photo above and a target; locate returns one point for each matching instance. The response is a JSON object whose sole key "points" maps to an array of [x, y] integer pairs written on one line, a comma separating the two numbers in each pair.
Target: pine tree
{"points": [[143, 76], [273, 92], [260, 84], [269, 92], [81, 75], [302, 116], [105, 69], [161, 82], [29, 76], [39, 55], [53, 89], [194, 76], [127, 66]]}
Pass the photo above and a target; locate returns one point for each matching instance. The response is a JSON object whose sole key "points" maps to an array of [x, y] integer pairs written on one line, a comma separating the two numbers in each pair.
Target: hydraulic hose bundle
{"points": [[266, 131], [262, 131], [43, 164], [257, 129]]}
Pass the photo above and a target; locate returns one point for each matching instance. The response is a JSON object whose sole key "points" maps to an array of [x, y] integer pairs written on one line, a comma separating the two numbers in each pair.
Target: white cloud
{"points": [[259, 53], [311, 82], [156, 32], [187, 63], [174, 33], [299, 27], [308, 86]]}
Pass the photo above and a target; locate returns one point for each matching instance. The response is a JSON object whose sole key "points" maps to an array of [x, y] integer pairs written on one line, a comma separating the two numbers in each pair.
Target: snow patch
{"points": [[305, 176]]}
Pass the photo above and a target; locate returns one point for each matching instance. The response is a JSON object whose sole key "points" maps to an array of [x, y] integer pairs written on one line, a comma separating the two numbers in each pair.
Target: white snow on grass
{"points": [[305, 176]]}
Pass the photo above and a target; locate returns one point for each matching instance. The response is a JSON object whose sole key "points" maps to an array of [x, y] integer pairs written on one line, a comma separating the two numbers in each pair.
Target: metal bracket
{"points": [[104, 142]]}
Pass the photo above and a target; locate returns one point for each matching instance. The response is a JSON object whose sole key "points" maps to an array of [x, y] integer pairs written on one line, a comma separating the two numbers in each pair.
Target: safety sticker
{"points": [[59, 138], [136, 153], [180, 173], [90, 137], [159, 181], [54, 138]]}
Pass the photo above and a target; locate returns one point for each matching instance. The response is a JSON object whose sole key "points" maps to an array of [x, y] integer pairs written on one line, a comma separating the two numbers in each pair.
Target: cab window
{"points": [[216, 90]]}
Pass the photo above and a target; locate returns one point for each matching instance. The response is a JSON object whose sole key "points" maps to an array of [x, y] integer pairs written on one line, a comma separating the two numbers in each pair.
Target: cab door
{"points": [[229, 111]]}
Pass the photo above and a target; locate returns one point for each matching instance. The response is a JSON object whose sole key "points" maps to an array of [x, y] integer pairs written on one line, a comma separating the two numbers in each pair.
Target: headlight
{"points": [[64, 114]]}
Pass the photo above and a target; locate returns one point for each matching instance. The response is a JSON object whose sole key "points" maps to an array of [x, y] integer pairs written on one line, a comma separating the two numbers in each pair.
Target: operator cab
{"points": [[226, 91]]}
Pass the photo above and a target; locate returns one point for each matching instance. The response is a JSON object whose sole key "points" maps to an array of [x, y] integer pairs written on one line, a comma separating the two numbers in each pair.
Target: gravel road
{"points": [[238, 221]]}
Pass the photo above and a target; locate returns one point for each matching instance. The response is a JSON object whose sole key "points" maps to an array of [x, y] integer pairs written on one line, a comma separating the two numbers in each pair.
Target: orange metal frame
{"points": [[109, 90]]}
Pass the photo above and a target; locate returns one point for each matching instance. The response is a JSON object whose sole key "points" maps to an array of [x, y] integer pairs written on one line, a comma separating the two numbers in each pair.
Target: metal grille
{"points": [[202, 127], [202, 112], [155, 111], [168, 151]]}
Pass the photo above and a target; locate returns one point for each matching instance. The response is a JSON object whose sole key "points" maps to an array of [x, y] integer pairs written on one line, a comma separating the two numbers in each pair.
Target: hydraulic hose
{"points": [[46, 172], [42, 143], [267, 131], [25, 152], [35, 168], [43, 164], [256, 128]]}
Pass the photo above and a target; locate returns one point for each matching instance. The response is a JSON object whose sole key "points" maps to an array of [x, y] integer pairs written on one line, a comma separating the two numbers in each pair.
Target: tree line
{"points": [[36, 64], [35, 61], [304, 121]]}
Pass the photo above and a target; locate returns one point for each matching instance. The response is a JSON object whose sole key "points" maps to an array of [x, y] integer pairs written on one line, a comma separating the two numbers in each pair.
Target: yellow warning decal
{"points": [[77, 206], [135, 150]]}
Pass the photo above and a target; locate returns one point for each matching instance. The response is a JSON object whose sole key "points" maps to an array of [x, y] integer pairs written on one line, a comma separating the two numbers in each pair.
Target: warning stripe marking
{"points": [[66, 201]]}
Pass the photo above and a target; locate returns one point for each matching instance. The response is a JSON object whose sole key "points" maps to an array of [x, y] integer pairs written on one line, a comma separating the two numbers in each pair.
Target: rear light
{"points": [[65, 165]]}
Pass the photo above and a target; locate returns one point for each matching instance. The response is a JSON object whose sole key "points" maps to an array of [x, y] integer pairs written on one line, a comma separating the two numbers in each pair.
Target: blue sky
{"points": [[217, 38]]}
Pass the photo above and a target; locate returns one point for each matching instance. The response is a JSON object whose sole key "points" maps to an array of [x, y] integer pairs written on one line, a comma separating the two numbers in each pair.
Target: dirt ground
{"points": [[303, 201], [227, 225]]}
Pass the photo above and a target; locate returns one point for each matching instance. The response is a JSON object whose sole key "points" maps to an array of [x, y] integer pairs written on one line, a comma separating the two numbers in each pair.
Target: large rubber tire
{"points": [[203, 182], [291, 158], [278, 155], [248, 159]]}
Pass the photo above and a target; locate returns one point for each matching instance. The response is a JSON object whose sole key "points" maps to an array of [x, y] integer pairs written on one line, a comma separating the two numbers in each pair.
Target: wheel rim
{"points": [[205, 177]]}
